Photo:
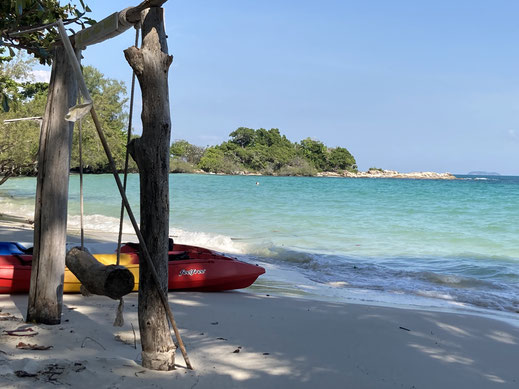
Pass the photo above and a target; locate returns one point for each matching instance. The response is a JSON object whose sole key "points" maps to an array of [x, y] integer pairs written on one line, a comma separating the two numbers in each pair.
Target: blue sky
{"points": [[404, 85]]}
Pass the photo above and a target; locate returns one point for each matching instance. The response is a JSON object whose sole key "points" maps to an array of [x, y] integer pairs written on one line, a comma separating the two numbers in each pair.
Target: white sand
{"points": [[282, 343]]}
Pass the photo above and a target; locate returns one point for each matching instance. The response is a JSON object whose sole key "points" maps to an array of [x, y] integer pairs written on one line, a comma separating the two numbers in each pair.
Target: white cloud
{"points": [[41, 75]]}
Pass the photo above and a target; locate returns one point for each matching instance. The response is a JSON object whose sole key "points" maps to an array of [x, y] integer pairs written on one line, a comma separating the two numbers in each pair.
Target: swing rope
{"points": [[80, 143], [127, 156], [119, 319]]}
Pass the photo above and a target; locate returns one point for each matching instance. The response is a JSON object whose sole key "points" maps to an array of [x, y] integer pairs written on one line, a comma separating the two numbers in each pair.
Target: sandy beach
{"points": [[256, 340]]}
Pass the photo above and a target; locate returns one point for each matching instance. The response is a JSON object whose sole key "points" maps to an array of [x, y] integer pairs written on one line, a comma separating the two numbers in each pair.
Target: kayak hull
{"points": [[189, 268]]}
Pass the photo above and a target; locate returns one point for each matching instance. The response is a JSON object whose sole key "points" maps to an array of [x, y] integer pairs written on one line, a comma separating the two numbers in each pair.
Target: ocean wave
{"points": [[218, 242], [13, 206], [98, 223], [476, 299], [456, 281], [467, 285]]}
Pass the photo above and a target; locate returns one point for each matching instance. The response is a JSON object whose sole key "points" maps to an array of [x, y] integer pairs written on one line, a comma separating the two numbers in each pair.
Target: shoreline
{"points": [[313, 291], [373, 173], [282, 283], [254, 339]]}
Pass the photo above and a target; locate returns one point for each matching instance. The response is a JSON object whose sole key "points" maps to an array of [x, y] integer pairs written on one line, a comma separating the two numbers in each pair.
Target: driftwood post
{"points": [[50, 218], [151, 153]]}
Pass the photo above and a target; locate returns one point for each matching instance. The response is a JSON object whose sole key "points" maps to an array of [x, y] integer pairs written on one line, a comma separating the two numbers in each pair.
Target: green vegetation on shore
{"points": [[19, 140], [261, 151], [248, 151]]}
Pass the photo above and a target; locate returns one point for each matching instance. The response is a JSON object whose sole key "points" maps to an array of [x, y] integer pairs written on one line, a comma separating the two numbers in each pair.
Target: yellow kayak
{"points": [[71, 284]]}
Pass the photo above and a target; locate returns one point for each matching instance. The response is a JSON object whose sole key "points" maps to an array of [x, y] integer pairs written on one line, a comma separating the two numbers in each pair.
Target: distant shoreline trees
{"points": [[248, 151], [261, 151]]}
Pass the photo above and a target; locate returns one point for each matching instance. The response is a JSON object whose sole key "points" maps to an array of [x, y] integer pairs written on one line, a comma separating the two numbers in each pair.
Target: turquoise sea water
{"points": [[421, 242]]}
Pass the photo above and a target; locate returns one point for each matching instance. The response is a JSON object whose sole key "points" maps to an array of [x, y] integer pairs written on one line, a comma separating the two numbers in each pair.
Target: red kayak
{"points": [[189, 268], [15, 270]]}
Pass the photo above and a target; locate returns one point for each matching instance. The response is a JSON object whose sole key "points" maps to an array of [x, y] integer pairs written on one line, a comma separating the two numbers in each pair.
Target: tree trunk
{"points": [[151, 153], [6, 176], [113, 281], [50, 215]]}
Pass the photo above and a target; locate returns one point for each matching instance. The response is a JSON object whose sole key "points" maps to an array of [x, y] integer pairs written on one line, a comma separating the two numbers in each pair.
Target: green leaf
{"points": [[87, 8], [11, 52], [21, 14]]}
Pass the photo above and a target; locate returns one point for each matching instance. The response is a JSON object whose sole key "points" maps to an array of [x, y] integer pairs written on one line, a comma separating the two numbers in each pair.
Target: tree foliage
{"points": [[16, 81], [184, 156], [185, 151], [340, 158], [216, 160], [18, 21], [19, 141], [316, 152], [109, 97], [242, 136], [269, 152], [22, 15]]}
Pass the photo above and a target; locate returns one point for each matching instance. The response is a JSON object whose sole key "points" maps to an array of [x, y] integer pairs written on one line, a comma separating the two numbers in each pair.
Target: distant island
{"points": [[478, 173], [270, 153], [247, 152], [261, 151]]}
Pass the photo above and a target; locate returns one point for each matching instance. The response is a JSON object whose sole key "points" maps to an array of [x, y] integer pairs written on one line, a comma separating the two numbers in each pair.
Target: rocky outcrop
{"points": [[379, 173]]}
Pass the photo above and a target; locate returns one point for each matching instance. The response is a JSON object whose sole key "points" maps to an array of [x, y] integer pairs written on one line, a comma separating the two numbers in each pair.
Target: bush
{"points": [[216, 161], [298, 167], [267, 152], [188, 152], [180, 166]]}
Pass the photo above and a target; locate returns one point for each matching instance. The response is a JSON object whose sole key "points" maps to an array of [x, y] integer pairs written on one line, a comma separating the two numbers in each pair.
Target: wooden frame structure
{"points": [[151, 152]]}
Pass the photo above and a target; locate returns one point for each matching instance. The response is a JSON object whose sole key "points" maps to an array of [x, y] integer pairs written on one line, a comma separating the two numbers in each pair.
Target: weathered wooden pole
{"points": [[50, 215], [151, 152]]}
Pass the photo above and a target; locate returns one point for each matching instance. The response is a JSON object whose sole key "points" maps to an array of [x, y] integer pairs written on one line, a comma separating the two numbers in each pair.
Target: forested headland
{"points": [[248, 151], [261, 151]]}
